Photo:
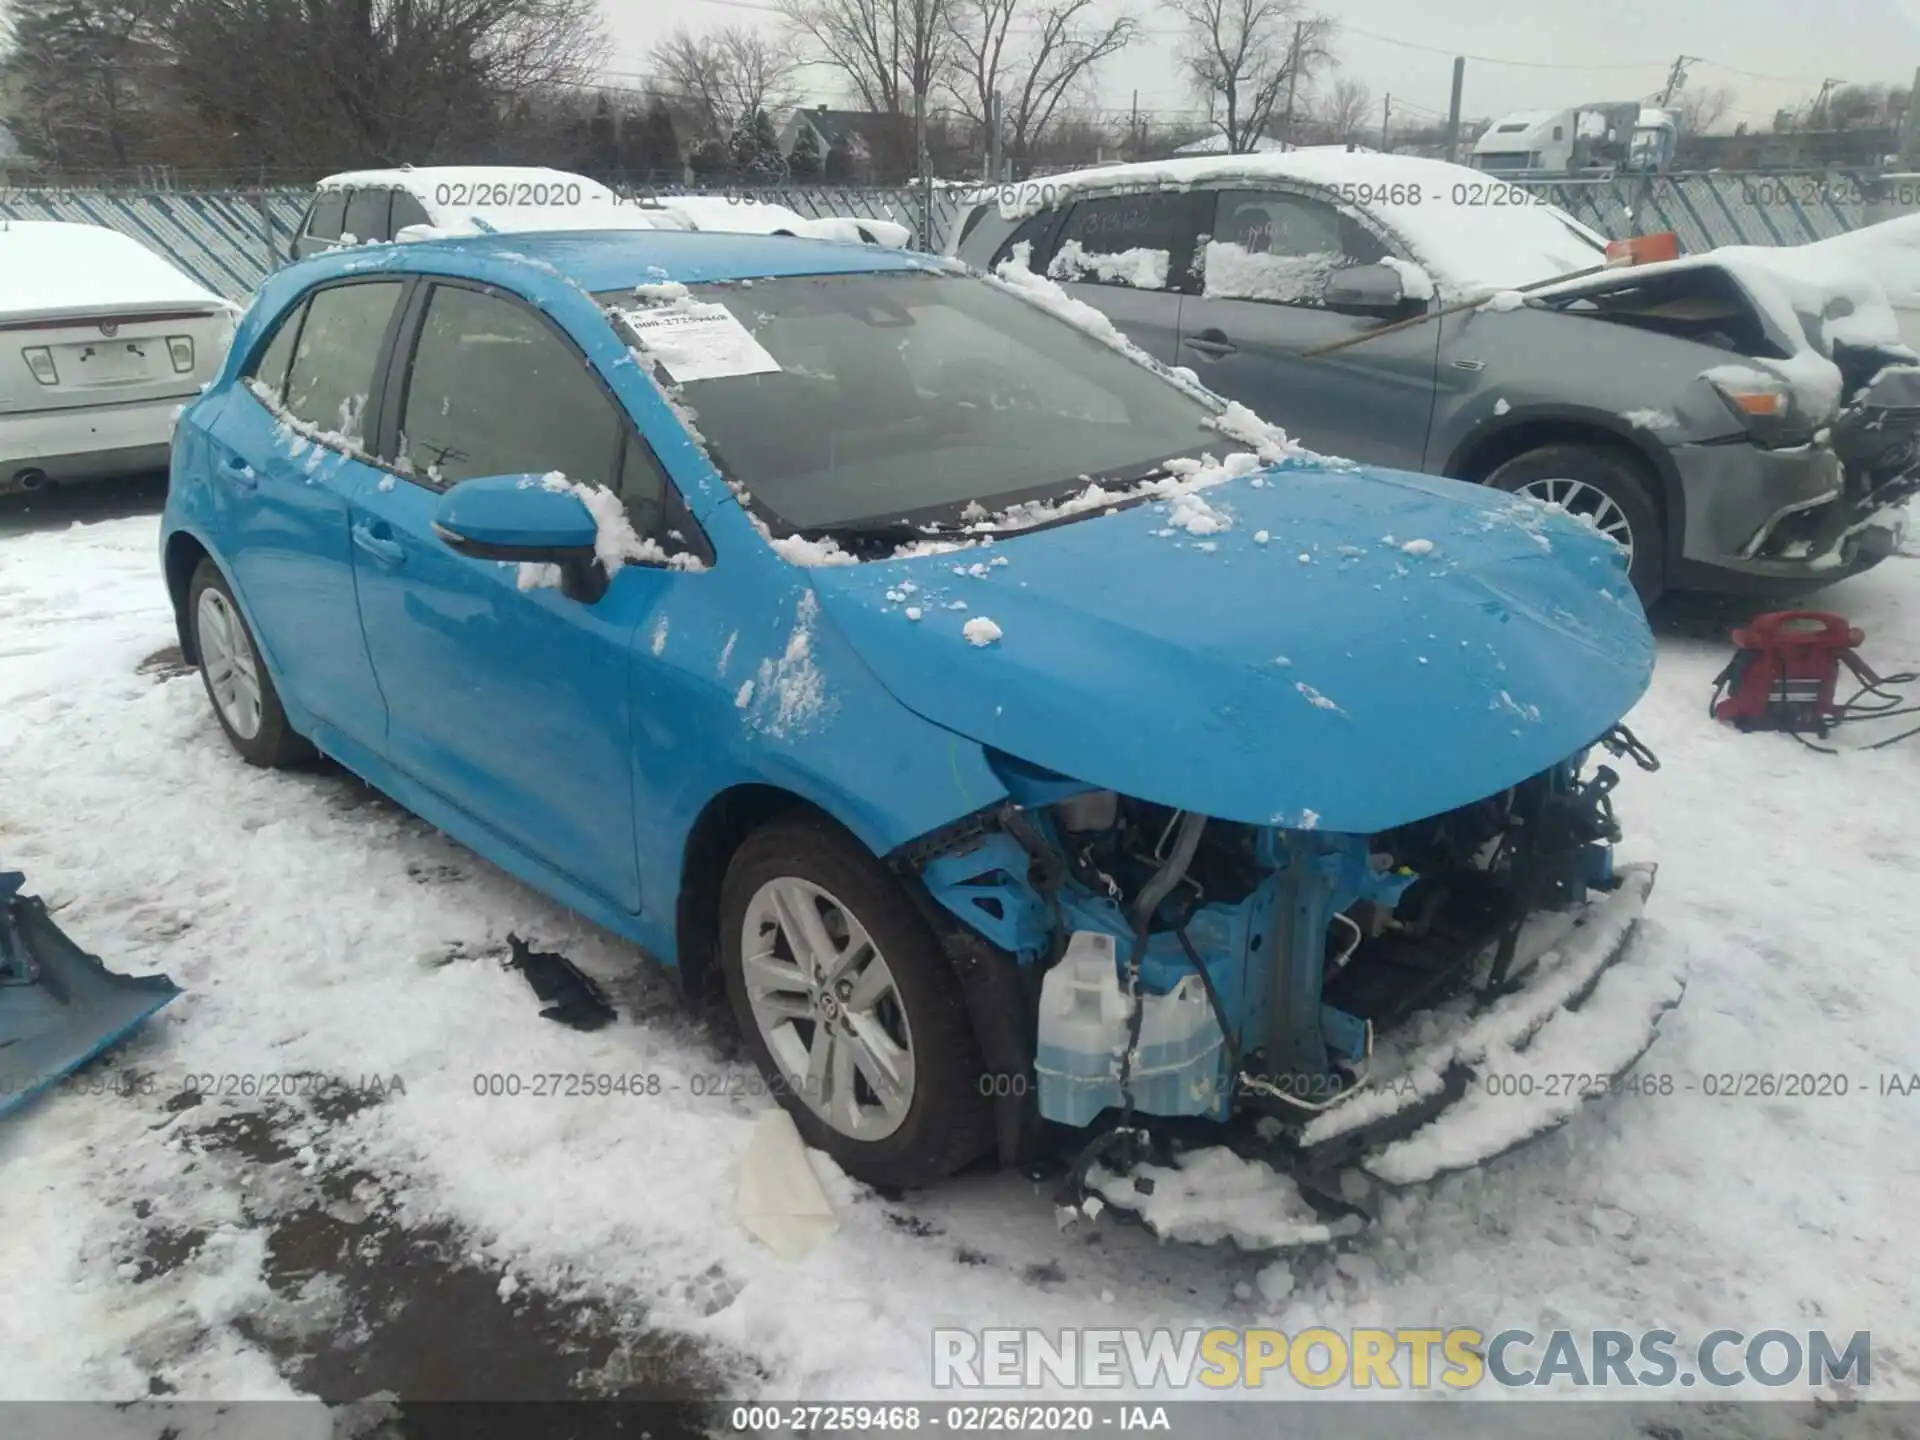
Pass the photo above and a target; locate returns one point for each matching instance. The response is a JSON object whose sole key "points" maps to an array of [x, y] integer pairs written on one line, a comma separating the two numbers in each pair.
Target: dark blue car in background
{"points": [[1021, 735]]}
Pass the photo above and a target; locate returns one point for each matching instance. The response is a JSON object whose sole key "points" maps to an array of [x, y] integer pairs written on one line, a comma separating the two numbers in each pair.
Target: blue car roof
{"points": [[599, 260]]}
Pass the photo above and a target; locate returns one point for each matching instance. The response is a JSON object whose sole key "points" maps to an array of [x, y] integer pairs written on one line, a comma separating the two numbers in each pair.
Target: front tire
{"points": [[238, 686], [1608, 488], [849, 1006]]}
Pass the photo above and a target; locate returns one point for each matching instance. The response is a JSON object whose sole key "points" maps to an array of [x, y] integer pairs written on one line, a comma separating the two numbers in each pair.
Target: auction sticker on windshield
{"points": [[700, 342]]}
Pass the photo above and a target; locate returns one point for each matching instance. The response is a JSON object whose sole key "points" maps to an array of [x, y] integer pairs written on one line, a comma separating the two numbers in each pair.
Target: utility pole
{"points": [[1133, 129], [1293, 80], [1819, 111], [1676, 77], [1453, 108], [1386, 119], [927, 240], [993, 136]]}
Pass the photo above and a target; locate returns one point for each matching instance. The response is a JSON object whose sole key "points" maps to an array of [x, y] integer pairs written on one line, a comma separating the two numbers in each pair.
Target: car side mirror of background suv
{"points": [[1366, 290]]}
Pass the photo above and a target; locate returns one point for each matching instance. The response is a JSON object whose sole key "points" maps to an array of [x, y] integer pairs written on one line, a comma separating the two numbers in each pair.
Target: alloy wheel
{"points": [[828, 1008]]}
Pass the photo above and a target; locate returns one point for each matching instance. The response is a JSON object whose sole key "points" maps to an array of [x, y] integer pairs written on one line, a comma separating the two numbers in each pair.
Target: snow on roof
{"points": [[54, 265], [1448, 216]]}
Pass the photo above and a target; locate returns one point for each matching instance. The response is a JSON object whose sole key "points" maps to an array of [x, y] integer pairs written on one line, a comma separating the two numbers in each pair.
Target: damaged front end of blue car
{"points": [[1330, 997]]}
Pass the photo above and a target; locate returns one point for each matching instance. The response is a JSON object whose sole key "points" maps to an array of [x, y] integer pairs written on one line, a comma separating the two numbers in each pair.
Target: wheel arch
{"points": [[1479, 454], [723, 823], [184, 553]]}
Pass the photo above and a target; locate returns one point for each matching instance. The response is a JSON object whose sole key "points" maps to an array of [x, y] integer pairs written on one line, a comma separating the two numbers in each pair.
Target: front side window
{"points": [[910, 397], [406, 211], [329, 209], [1280, 247], [331, 376], [367, 216], [492, 390], [1140, 241]]}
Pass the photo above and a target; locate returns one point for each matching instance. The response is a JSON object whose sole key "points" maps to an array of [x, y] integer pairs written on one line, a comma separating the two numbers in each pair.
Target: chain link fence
{"points": [[229, 240]]}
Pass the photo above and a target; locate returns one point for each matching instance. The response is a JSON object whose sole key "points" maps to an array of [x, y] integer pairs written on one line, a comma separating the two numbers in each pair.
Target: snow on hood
{"points": [[532, 219], [52, 267], [762, 217], [1889, 253], [1340, 648], [1813, 296], [1449, 217]]}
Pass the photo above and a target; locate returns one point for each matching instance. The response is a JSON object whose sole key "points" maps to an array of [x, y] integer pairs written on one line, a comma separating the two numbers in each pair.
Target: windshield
{"points": [[883, 398]]}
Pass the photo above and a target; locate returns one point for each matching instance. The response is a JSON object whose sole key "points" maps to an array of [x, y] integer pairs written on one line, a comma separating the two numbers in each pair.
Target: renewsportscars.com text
{"points": [[1412, 1358]]}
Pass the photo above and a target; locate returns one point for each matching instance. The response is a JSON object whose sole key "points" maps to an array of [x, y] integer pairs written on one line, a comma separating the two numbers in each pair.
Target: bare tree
{"points": [[891, 52], [1853, 107], [1240, 57], [1031, 77], [1701, 110], [1345, 111], [724, 75]]}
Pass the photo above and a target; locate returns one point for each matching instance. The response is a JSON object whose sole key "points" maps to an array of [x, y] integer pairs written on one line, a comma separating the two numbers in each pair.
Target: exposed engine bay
{"points": [[1184, 970]]}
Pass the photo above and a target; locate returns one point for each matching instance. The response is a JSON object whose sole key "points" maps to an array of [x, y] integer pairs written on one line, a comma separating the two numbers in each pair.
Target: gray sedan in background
{"points": [[1735, 423]]}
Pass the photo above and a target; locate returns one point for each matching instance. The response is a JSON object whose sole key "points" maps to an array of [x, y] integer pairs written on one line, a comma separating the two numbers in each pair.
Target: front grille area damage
{"points": [[1326, 994]]}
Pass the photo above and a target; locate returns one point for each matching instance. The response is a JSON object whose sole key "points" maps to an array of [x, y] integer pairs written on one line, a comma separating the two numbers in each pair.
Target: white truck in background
{"points": [[1586, 141]]}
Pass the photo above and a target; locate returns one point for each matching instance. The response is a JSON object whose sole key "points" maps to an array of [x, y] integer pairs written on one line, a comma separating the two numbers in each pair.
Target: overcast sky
{"points": [[1605, 49]]}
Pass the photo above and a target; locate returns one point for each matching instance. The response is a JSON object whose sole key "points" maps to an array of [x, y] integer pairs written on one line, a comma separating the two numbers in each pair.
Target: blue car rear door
{"points": [[506, 696], [287, 462]]}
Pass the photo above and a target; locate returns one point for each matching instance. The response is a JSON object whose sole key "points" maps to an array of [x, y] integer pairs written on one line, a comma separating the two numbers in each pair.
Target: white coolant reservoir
{"points": [[1083, 1035]]}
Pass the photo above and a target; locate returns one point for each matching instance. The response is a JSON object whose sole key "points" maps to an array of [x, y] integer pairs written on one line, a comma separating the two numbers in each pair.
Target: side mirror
{"points": [[520, 518], [1365, 290]]}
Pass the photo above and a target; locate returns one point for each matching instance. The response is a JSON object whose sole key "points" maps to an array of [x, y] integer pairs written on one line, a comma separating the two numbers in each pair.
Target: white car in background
{"points": [[408, 203], [101, 342]]}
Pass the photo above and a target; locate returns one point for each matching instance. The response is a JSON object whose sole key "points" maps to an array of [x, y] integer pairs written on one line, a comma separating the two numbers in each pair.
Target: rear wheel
{"points": [[244, 700], [849, 1006], [1611, 490]]}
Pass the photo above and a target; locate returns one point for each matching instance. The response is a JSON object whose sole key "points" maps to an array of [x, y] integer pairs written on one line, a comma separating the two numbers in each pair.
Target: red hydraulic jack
{"points": [[1785, 671]]}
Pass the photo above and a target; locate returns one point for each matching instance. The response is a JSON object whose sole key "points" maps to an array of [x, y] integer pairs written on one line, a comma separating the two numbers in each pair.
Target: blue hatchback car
{"points": [[1023, 737]]}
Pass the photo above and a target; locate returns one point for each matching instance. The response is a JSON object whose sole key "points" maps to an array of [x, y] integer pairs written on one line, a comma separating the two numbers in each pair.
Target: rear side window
{"points": [[1032, 233], [329, 208], [494, 391], [367, 215], [1139, 241], [332, 371], [1280, 247], [269, 371], [406, 211]]}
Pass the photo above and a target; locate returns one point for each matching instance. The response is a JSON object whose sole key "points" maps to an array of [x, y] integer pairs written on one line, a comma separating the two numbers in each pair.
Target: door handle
{"points": [[389, 553], [241, 473], [1211, 342]]}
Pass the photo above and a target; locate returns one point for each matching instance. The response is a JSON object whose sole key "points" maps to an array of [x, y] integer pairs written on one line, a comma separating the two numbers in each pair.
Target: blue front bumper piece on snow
{"points": [[59, 1006]]}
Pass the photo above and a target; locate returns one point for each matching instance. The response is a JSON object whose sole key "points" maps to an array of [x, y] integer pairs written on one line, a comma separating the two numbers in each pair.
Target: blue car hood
{"points": [[1355, 650]]}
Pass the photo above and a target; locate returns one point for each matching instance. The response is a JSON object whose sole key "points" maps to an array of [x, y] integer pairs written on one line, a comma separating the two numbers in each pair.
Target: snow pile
{"points": [[616, 543], [1215, 1195], [981, 631], [1139, 268], [1415, 283], [1234, 272], [1502, 301], [788, 694]]}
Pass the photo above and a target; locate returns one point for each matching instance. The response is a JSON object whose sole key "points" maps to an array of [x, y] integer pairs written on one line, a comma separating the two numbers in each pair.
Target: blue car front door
{"points": [[507, 697], [285, 498]]}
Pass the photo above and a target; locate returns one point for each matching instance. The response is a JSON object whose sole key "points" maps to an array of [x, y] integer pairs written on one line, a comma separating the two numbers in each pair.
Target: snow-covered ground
{"points": [[315, 928]]}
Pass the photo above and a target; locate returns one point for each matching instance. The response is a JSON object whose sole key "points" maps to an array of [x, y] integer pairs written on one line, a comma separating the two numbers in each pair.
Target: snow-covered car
{"points": [[1405, 312], [1018, 731], [432, 202], [360, 207], [105, 341], [1889, 254], [743, 216]]}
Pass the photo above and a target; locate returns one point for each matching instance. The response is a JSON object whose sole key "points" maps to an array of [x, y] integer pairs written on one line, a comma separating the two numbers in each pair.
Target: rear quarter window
{"points": [[332, 371]]}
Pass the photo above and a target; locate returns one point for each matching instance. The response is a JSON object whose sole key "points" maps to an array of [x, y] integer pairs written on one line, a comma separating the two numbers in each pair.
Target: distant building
{"points": [[1217, 145], [874, 148]]}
